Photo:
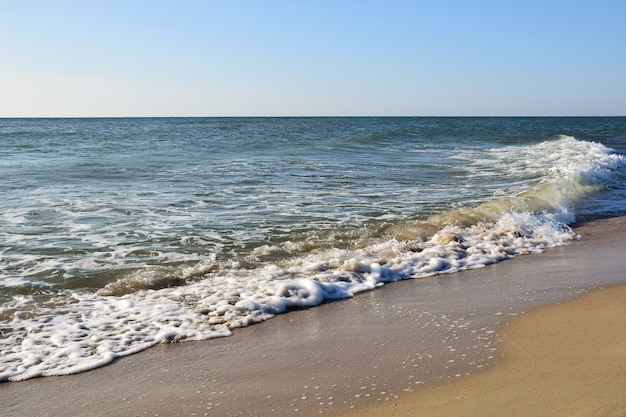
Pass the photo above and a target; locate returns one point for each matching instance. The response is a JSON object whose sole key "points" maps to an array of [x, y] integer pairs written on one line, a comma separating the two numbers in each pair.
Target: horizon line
{"points": [[304, 116]]}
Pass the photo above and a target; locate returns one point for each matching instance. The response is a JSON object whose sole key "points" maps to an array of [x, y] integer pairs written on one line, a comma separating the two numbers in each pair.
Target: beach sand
{"points": [[563, 360], [475, 343]]}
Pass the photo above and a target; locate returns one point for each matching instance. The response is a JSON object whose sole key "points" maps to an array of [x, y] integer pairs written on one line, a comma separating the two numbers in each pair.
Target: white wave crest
{"points": [[90, 330]]}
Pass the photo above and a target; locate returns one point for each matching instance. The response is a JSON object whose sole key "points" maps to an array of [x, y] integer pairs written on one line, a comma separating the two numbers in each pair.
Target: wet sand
{"points": [[563, 360], [463, 340]]}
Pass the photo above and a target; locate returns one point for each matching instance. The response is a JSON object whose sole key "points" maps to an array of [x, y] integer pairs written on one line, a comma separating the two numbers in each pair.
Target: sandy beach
{"points": [[541, 335], [561, 360]]}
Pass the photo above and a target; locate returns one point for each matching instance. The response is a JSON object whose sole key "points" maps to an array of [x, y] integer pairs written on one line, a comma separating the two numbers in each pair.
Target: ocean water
{"points": [[118, 234]]}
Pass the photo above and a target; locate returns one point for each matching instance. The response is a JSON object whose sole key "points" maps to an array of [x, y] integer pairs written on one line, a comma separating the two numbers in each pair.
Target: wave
{"points": [[157, 305], [560, 174]]}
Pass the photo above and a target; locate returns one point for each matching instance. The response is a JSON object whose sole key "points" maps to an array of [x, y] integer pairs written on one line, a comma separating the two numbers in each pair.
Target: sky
{"points": [[136, 58]]}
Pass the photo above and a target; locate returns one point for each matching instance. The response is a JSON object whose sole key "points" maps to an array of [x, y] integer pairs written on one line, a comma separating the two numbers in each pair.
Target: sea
{"points": [[118, 234]]}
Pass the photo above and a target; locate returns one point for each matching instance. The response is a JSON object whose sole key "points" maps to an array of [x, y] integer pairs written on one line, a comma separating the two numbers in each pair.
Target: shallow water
{"points": [[121, 233]]}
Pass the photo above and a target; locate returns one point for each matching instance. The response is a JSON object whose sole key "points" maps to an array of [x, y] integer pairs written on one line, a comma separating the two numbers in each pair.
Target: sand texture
{"points": [[560, 360]]}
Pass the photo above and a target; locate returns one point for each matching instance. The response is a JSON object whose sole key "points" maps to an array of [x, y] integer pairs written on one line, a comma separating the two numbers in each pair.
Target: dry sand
{"points": [[414, 347]]}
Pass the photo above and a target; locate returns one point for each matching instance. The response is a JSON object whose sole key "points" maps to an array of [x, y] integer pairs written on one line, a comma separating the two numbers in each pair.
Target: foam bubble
{"points": [[77, 331], [100, 327]]}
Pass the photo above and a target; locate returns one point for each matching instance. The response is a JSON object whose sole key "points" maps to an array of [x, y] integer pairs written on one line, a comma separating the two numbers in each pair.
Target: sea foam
{"points": [[160, 305]]}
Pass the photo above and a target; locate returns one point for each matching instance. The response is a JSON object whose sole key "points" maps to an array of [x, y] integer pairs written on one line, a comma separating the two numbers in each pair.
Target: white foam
{"points": [[91, 330], [81, 331]]}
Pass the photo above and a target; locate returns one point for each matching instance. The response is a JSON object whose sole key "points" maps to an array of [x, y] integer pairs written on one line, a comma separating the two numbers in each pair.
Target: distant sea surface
{"points": [[117, 234]]}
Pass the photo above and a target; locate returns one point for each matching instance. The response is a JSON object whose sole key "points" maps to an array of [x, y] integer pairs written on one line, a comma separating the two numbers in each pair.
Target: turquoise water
{"points": [[121, 233]]}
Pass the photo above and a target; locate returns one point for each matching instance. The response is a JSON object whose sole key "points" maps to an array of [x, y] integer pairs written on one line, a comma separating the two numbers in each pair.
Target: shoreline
{"points": [[383, 346], [565, 359]]}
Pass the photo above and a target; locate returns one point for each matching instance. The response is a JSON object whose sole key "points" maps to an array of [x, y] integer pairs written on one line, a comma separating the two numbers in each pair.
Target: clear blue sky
{"points": [[298, 57]]}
